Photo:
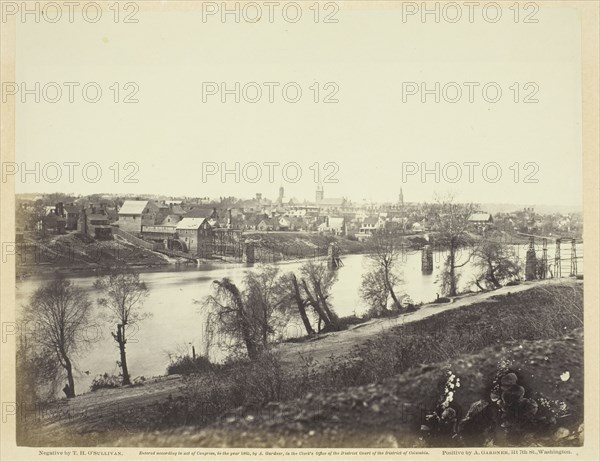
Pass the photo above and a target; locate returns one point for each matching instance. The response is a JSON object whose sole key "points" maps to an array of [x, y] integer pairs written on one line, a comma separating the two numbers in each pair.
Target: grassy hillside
{"points": [[390, 413], [376, 393], [79, 252]]}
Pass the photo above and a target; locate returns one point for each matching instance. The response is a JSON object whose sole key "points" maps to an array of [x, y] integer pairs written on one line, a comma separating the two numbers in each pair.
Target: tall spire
{"points": [[319, 193], [401, 197]]}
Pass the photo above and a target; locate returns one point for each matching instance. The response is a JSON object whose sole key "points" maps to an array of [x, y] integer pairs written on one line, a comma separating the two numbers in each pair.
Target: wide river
{"points": [[177, 321]]}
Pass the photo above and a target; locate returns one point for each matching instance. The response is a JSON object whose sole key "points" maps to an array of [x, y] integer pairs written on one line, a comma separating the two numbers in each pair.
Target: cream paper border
{"points": [[589, 16]]}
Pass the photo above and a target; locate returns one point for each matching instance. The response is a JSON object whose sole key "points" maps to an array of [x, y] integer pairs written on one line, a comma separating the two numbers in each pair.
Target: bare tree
{"points": [[497, 263], [59, 310], [249, 316], [265, 299], [374, 291], [124, 295], [300, 301], [317, 281], [451, 226], [234, 318], [385, 253]]}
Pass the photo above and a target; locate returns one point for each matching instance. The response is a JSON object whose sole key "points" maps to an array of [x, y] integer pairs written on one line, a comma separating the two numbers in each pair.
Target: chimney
{"points": [[258, 196]]}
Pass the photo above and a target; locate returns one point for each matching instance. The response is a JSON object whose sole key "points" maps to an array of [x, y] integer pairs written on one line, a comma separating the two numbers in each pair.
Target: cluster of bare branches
{"points": [[451, 226], [250, 316], [60, 312], [497, 263], [379, 283], [124, 295]]}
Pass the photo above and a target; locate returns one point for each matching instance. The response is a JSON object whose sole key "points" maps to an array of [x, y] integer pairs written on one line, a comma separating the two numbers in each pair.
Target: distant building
{"points": [[94, 221], [72, 215], [55, 221], [481, 222], [267, 224], [480, 218], [171, 219], [371, 224], [284, 224], [137, 213], [319, 194], [196, 233], [336, 225], [417, 227], [330, 204]]}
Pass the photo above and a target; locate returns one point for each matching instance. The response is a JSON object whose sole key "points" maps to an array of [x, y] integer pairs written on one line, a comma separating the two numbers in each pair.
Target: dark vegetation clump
{"points": [[186, 365], [106, 381]]}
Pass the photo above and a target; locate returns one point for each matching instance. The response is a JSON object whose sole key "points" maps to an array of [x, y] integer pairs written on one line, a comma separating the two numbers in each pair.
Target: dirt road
{"points": [[340, 343]]}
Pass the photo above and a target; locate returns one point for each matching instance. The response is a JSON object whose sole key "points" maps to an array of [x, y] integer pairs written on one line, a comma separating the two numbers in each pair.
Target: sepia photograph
{"points": [[305, 230]]}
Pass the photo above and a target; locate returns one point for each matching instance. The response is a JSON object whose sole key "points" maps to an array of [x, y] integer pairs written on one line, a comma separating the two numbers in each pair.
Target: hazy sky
{"points": [[171, 132]]}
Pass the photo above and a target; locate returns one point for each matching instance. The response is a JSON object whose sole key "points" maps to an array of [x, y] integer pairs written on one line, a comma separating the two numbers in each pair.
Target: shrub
{"points": [[411, 307], [347, 321], [106, 381], [258, 382], [185, 365], [141, 380]]}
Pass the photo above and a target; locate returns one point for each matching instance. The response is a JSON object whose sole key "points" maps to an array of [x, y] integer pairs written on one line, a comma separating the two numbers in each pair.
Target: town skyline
{"points": [[495, 206]]}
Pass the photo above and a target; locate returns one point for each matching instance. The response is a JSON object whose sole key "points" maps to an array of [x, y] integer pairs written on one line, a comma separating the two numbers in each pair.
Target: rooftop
{"points": [[133, 207], [190, 223]]}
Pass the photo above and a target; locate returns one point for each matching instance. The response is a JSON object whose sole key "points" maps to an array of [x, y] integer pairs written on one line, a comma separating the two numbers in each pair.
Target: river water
{"points": [[177, 321]]}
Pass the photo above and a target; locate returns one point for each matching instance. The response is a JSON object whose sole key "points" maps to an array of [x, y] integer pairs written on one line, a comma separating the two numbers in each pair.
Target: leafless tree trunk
{"points": [[301, 306], [70, 389], [121, 341], [385, 254], [124, 297], [314, 302]]}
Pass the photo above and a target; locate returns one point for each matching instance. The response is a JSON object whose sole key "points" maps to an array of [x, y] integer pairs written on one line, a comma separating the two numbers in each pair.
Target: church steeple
{"points": [[319, 193], [401, 197]]}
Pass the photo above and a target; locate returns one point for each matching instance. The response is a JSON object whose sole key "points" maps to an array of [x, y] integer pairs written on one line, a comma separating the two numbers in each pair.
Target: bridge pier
{"points": [[530, 262], [573, 258], [333, 256], [557, 262], [544, 269], [249, 252], [426, 260]]}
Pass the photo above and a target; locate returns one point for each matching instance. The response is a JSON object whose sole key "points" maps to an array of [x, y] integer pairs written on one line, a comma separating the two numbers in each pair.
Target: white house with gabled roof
{"points": [[134, 214]]}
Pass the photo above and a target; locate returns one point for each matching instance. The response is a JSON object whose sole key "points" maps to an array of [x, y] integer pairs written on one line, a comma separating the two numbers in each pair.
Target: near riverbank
{"points": [[531, 327]]}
